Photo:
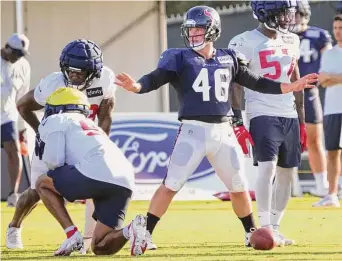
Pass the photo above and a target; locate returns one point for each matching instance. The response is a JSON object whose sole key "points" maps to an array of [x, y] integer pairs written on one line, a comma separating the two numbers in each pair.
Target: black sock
{"points": [[248, 222], [152, 221]]}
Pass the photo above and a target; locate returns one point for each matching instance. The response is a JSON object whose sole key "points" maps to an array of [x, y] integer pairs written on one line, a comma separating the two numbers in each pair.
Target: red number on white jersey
{"points": [[274, 64], [91, 129], [93, 111]]}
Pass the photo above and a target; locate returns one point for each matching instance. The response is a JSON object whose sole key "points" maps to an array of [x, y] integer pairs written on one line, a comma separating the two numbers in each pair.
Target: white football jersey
{"points": [[15, 82], [331, 63], [274, 59], [75, 140], [100, 89]]}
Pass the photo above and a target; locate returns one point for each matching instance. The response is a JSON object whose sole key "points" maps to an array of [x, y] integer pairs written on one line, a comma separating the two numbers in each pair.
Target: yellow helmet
{"points": [[66, 99]]}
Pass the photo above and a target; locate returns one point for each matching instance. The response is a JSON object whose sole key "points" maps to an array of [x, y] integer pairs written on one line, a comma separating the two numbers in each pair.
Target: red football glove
{"points": [[242, 136], [302, 132]]}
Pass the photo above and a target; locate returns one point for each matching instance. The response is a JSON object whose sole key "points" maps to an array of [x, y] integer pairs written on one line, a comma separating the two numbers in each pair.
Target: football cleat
{"points": [[248, 237], [137, 235], [150, 244], [13, 238], [281, 240], [71, 244], [328, 201]]}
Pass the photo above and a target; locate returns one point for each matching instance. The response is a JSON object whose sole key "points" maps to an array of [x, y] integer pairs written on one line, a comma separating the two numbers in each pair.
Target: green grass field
{"points": [[193, 231]]}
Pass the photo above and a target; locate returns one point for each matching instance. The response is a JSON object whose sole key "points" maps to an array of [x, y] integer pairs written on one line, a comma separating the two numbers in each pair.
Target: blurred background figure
{"points": [[339, 7], [313, 42], [331, 78], [15, 82]]}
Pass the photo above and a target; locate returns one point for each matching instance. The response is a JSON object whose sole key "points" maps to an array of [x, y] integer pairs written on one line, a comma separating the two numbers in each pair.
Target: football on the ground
{"points": [[262, 239]]}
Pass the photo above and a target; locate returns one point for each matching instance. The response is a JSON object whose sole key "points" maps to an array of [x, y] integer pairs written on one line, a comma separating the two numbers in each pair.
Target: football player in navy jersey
{"points": [[202, 76], [339, 7], [313, 42]]}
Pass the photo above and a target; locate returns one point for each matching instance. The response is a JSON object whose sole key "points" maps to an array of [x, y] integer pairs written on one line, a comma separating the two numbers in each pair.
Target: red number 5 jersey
{"points": [[271, 58]]}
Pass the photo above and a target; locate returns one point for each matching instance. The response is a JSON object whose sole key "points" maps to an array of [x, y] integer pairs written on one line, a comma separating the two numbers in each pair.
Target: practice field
{"points": [[193, 231]]}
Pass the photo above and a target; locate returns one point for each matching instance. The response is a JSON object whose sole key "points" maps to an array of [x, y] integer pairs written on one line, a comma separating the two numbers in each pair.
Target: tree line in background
{"points": [[180, 7]]}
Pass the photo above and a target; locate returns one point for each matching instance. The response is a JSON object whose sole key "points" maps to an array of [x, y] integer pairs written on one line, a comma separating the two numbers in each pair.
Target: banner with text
{"points": [[147, 141]]}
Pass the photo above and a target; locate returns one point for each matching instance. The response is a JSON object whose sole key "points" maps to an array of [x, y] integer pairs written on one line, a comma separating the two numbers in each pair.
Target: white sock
{"points": [[90, 223], [264, 219], [281, 194], [263, 191], [125, 231], [276, 217], [321, 180], [332, 196]]}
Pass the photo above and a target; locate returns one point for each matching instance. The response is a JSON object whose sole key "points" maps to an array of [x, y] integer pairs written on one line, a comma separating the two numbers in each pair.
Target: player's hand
{"points": [[23, 143], [39, 147], [127, 82], [22, 136], [308, 81], [303, 142], [242, 135]]}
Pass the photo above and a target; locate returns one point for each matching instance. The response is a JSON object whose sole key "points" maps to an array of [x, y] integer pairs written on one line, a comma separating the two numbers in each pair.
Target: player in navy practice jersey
{"points": [[202, 76], [313, 42]]}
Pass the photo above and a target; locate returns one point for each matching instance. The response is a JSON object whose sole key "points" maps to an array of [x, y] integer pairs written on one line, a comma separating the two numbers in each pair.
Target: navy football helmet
{"points": [[276, 15], [81, 56], [201, 17]]}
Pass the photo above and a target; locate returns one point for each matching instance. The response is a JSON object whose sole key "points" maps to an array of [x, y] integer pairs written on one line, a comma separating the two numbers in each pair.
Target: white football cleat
{"points": [[73, 243], [150, 244], [13, 238], [281, 240], [328, 201], [12, 199], [137, 235], [318, 193], [248, 237]]}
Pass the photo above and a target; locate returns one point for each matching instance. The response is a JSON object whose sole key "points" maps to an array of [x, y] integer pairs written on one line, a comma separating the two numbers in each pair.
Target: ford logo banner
{"points": [[147, 142]]}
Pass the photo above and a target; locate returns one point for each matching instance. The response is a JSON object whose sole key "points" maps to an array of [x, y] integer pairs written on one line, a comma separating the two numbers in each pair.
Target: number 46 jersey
{"points": [[274, 59], [202, 85]]}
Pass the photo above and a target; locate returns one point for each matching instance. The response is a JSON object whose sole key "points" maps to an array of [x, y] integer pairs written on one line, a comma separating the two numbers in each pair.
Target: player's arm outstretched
{"points": [[147, 83], [167, 70]]}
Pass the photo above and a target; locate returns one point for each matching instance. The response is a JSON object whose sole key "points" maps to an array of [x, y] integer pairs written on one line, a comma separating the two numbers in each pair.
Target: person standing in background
{"points": [[313, 42], [15, 82], [331, 77]]}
